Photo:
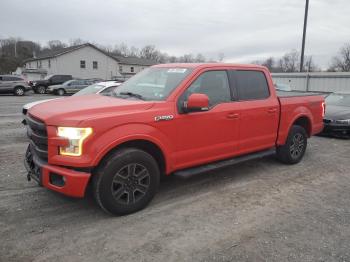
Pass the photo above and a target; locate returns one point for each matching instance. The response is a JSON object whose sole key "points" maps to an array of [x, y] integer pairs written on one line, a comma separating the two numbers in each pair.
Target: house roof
{"points": [[55, 53], [131, 60], [121, 59]]}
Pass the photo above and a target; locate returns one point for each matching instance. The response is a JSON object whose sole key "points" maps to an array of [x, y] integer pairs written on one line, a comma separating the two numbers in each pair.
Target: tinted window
{"points": [[251, 85], [214, 84], [11, 78]]}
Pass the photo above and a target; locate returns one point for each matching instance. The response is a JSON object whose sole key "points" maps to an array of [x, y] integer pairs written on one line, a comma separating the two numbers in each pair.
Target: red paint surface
{"points": [[226, 130]]}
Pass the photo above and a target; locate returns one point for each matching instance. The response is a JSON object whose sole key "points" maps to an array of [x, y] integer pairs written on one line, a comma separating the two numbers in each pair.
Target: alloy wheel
{"points": [[130, 183], [297, 146]]}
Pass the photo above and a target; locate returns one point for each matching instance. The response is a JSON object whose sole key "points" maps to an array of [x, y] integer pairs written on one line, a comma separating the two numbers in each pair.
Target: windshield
{"points": [[93, 89], [338, 100], [48, 77], [68, 82], [154, 84]]}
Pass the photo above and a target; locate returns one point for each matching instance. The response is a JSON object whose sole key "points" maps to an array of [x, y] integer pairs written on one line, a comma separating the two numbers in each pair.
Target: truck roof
{"points": [[203, 65]]}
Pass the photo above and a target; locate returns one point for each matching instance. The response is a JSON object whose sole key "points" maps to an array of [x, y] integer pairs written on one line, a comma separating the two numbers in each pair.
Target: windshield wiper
{"points": [[132, 95]]}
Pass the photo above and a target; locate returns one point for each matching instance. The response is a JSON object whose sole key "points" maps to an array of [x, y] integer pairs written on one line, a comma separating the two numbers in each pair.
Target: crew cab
{"points": [[170, 119]]}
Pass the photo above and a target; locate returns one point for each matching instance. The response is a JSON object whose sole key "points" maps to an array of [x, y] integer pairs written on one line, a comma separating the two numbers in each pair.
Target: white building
{"points": [[83, 61]]}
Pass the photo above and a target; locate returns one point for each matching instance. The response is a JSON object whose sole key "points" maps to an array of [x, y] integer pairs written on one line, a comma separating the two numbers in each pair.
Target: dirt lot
{"points": [[257, 211]]}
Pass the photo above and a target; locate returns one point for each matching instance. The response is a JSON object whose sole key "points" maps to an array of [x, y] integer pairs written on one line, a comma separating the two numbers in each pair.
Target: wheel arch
{"points": [[305, 122]]}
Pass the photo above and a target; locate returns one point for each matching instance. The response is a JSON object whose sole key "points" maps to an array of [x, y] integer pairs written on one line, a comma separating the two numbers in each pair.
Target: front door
{"points": [[207, 135]]}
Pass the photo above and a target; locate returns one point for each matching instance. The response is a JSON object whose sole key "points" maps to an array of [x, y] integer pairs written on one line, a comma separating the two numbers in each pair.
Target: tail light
{"points": [[323, 109]]}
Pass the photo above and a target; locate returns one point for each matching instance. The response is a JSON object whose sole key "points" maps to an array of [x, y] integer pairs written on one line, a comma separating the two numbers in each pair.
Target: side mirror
{"points": [[196, 103]]}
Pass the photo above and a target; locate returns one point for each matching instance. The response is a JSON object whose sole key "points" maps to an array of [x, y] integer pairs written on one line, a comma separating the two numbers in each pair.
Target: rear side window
{"points": [[251, 85], [11, 78]]}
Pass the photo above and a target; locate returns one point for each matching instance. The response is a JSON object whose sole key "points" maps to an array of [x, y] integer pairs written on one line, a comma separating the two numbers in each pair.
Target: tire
{"points": [[19, 91], [126, 181], [60, 92], [41, 90], [294, 149]]}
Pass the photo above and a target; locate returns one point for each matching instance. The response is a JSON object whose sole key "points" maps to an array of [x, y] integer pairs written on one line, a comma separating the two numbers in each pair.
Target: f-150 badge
{"points": [[163, 118]]}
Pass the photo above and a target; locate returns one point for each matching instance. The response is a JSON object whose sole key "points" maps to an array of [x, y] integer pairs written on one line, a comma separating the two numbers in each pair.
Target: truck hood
{"points": [[74, 110]]}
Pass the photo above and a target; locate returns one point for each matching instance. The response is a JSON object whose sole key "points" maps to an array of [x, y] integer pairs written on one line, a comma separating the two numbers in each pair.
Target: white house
{"points": [[83, 61]]}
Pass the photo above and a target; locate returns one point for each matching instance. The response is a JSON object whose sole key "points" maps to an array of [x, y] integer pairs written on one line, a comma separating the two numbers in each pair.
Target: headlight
{"points": [[343, 122], [76, 137]]}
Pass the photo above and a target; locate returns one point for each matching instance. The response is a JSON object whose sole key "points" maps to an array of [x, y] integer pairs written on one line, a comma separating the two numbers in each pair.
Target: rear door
{"points": [[6, 84], [259, 110], [207, 135]]}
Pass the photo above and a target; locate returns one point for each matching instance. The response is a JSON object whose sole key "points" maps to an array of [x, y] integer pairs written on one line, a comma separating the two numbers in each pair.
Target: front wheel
{"points": [[294, 149], [126, 182], [41, 90], [60, 92], [19, 91]]}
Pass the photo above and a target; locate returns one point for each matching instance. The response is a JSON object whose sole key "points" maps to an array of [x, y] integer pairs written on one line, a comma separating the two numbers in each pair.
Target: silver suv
{"points": [[10, 84]]}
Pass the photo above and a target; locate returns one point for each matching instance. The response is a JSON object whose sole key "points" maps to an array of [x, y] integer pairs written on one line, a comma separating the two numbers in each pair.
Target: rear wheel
{"points": [[126, 182], [19, 91], [60, 92], [41, 89], [294, 149]]}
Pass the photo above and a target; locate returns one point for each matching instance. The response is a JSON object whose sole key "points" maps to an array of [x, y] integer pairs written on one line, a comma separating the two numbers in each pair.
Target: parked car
{"points": [[40, 86], [283, 87], [69, 87], [337, 117], [11, 84], [103, 88], [170, 119]]}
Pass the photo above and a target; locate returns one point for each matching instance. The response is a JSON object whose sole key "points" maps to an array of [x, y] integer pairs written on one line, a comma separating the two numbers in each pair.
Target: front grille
{"points": [[36, 132]]}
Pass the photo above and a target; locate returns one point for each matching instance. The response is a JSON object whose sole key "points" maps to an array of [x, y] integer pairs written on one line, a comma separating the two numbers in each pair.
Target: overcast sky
{"points": [[244, 30]]}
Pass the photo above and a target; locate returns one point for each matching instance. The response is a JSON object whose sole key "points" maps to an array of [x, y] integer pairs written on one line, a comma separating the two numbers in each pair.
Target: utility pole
{"points": [[304, 36]]}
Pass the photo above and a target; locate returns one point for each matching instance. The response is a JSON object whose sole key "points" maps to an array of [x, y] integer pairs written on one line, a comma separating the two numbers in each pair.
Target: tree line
{"points": [[13, 51], [290, 62]]}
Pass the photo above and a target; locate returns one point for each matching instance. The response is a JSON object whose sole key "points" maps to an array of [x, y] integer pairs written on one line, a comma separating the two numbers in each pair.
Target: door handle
{"points": [[272, 110], [232, 116]]}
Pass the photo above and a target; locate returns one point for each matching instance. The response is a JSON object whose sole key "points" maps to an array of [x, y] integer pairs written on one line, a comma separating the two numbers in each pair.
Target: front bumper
{"points": [[60, 179], [336, 130]]}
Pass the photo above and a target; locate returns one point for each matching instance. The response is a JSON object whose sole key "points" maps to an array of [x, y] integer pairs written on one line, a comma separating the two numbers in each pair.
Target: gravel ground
{"points": [[256, 211]]}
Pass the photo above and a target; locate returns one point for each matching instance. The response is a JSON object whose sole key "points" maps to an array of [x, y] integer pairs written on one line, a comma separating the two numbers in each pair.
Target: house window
{"points": [[40, 64], [82, 64], [132, 69], [120, 68], [94, 65], [37, 64], [49, 63]]}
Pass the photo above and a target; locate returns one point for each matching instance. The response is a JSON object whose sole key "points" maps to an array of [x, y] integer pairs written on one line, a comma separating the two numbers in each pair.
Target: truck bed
{"points": [[296, 93]]}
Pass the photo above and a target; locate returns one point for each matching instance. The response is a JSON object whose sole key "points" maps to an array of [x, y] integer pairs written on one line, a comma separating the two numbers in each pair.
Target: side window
{"points": [[214, 84], [251, 85]]}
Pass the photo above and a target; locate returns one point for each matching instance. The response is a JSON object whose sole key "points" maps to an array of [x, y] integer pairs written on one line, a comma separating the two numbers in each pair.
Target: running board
{"points": [[189, 172]]}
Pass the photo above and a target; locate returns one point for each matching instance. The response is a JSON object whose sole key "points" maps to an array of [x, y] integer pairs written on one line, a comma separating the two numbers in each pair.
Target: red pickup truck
{"points": [[179, 119]]}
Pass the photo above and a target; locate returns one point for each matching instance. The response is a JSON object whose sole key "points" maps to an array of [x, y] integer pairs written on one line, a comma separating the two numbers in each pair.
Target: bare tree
{"points": [[341, 62], [56, 45], [289, 62], [76, 41]]}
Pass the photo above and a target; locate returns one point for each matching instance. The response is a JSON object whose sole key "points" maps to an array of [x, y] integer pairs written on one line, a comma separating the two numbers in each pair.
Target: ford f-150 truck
{"points": [[179, 119]]}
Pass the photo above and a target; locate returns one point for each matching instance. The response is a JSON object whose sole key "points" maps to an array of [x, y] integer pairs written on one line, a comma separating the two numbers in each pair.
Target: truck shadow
{"points": [[173, 188]]}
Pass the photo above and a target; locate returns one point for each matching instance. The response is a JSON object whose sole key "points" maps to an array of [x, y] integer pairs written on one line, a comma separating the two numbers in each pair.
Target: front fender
{"points": [[129, 132]]}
